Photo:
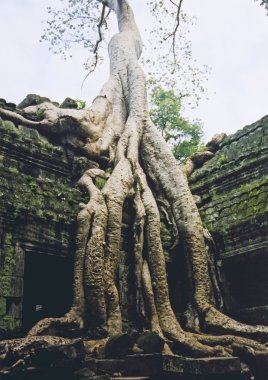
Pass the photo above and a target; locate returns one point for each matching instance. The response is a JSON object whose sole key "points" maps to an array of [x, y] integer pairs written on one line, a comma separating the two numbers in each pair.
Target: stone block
{"points": [[259, 366], [90, 363], [2, 306], [110, 365], [9, 323], [20, 258], [130, 378], [150, 343], [69, 103], [118, 346], [69, 356], [155, 365], [253, 315], [83, 374], [33, 373], [15, 307], [11, 286]]}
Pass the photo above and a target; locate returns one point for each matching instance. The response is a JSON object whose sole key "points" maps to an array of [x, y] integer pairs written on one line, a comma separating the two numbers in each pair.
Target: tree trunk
{"points": [[117, 128]]}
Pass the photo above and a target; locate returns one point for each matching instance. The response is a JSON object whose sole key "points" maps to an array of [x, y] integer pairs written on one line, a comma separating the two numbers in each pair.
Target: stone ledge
{"points": [[158, 364], [130, 378], [245, 252], [252, 315]]}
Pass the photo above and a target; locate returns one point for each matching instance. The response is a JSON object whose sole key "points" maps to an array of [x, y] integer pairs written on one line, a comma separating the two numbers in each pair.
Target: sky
{"points": [[230, 36]]}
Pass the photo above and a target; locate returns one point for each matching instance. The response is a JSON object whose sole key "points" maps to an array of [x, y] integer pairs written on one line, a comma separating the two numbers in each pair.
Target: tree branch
{"points": [[174, 33], [95, 51]]}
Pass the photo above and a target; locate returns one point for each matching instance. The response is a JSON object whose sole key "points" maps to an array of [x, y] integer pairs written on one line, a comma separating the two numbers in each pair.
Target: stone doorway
{"points": [[47, 287]]}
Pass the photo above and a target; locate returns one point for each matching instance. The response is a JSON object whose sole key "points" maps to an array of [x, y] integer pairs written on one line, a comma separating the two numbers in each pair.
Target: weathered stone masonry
{"points": [[234, 207], [37, 218], [39, 204]]}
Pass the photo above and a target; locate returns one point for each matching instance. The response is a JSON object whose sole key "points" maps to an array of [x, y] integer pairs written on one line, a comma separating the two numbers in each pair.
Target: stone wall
{"points": [[38, 207], [39, 202], [233, 187]]}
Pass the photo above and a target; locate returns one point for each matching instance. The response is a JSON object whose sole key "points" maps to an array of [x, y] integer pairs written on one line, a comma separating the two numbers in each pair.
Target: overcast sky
{"points": [[231, 37]]}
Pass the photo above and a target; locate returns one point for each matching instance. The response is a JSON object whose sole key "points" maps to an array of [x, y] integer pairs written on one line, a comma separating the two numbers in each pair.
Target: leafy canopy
{"points": [[85, 23], [183, 137]]}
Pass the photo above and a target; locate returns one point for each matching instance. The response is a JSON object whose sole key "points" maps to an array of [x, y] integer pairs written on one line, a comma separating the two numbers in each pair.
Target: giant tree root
{"points": [[18, 354], [117, 128]]}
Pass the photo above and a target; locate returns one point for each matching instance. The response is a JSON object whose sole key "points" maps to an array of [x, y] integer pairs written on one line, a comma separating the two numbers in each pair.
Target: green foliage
{"points": [[40, 196], [183, 137], [81, 104], [8, 266], [39, 114], [2, 306], [100, 182], [9, 322], [11, 127], [246, 202], [168, 58]]}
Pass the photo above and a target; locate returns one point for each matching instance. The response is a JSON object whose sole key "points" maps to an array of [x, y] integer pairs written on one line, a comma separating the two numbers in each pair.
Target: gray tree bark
{"points": [[117, 127]]}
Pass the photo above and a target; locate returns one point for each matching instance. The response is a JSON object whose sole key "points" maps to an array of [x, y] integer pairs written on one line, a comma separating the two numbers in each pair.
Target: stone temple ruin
{"points": [[38, 207]]}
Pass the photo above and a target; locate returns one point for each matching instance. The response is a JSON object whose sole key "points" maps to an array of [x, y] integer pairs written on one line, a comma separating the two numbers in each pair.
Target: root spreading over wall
{"points": [[117, 129]]}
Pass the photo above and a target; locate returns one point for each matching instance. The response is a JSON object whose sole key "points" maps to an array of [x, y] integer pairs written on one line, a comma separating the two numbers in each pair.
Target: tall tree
{"points": [[183, 137], [118, 130], [81, 22]]}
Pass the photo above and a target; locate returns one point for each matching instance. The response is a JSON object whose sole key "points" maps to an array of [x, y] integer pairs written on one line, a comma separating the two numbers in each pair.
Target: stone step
{"points": [[259, 366], [110, 365], [130, 378], [158, 365]]}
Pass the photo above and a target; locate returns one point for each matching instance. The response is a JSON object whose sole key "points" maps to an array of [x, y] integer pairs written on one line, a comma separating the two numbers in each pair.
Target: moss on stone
{"points": [[249, 200], [39, 196], [39, 205], [8, 267], [2, 306], [238, 153], [100, 182], [9, 322], [27, 136], [8, 125]]}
